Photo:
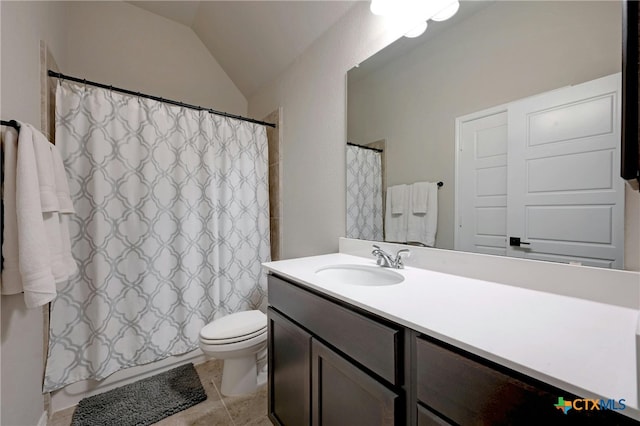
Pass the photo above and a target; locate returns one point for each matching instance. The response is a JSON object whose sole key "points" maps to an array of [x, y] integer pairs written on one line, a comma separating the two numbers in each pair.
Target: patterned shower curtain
{"points": [[171, 227], [364, 194]]}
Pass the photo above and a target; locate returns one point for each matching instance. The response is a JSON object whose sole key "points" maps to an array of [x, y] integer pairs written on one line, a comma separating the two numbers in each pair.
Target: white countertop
{"points": [[585, 347]]}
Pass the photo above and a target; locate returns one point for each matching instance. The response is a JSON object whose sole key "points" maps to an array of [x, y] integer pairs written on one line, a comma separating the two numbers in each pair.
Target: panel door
{"points": [[289, 372], [482, 182], [342, 394], [565, 196]]}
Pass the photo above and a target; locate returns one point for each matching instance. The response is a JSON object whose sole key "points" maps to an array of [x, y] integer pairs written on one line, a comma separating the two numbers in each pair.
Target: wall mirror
{"points": [[514, 106]]}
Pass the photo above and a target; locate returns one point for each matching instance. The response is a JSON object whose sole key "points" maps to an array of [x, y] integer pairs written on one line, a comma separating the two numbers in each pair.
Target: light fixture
{"points": [[414, 14]]}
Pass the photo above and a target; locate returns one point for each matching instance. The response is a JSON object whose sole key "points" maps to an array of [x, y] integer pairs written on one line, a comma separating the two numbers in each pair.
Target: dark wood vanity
{"points": [[332, 363]]}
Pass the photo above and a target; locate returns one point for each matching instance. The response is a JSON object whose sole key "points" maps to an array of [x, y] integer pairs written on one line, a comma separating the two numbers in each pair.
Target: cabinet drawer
{"points": [[469, 392], [369, 342]]}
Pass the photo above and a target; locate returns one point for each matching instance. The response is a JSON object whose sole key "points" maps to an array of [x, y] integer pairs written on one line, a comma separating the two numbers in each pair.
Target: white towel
{"points": [[62, 185], [56, 205], [420, 197], [66, 209], [423, 227], [34, 258], [397, 194], [38, 254], [44, 168], [395, 225], [11, 282]]}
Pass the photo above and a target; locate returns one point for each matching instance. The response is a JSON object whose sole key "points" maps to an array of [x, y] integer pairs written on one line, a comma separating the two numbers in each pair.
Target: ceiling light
{"points": [[414, 14], [381, 7]]}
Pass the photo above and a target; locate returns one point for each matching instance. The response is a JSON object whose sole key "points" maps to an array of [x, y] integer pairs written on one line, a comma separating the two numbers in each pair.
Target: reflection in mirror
{"points": [[529, 92], [364, 191]]}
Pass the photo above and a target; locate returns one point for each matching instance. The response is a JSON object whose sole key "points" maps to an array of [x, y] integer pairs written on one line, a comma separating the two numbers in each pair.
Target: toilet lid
{"points": [[234, 325], [260, 333]]}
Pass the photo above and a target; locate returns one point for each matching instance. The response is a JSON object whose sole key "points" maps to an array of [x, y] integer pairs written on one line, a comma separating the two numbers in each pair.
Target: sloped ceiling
{"points": [[253, 41]]}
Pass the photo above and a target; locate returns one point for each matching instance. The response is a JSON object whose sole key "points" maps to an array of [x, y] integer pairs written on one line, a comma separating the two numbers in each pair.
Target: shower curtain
{"points": [[172, 225], [364, 194]]}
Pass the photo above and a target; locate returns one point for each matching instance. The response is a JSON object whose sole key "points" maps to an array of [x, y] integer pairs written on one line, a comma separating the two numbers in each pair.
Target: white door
{"points": [[565, 194], [481, 222], [545, 170]]}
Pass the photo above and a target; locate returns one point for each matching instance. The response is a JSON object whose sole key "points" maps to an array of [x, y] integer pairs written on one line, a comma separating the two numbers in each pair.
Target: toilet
{"points": [[240, 339]]}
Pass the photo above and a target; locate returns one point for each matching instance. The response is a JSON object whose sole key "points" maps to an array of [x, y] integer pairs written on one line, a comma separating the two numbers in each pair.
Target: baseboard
{"points": [[43, 419]]}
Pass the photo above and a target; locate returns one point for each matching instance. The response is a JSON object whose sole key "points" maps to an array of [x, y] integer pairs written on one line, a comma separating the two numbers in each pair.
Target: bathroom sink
{"points": [[363, 275]]}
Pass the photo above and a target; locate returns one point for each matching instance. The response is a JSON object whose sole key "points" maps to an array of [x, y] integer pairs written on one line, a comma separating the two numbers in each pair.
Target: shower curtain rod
{"points": [[156, 98], [365, 147], [440, 183]]}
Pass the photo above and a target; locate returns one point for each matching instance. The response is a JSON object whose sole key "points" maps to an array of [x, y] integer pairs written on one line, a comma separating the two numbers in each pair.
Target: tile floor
{"points": [[217, 410]]}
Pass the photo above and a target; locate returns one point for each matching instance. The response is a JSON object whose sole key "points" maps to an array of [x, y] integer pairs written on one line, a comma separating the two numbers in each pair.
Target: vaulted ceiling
{"points": [[253, 41]]}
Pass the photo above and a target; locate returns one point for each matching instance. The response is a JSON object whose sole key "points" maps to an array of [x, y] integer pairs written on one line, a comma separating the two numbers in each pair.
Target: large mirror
{"points": [[449, 108]]}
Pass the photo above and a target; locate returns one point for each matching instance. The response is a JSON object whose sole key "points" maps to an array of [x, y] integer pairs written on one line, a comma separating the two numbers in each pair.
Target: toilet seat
{"points": [[233, 339], [233, 328], [240, 345]]}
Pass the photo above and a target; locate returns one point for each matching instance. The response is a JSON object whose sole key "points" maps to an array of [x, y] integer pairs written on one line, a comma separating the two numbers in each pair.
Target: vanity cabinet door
{"points": [[289, 372], [342, 394]]}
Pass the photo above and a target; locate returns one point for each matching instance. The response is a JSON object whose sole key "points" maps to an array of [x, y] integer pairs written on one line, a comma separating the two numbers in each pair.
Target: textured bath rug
{"points": [[143, 402]]}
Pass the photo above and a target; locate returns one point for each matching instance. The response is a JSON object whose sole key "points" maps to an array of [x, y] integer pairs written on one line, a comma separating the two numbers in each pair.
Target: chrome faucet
{"points": [[386, 260]]}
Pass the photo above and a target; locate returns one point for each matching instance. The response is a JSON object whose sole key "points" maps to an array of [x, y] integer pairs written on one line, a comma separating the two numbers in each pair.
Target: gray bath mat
{"points": [[143, 402]]}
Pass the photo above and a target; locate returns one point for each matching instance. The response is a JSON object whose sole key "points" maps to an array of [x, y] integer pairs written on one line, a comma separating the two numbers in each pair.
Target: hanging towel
{"points": [[11, 282], [69, 266], [397, 194], [422, 228], [395, 225], [37, 254], [62, 185], [54, 192], [420, 197], [432, 215]]}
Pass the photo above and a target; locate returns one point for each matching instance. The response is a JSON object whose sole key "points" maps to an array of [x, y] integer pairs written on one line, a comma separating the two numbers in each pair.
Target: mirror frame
{"points": [[630, 141]]}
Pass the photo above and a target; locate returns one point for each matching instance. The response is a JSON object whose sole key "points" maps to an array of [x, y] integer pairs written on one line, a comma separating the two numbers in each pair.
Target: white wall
{"points": [[312, 95], [23, 25], [504, 52], [120, 44]]}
